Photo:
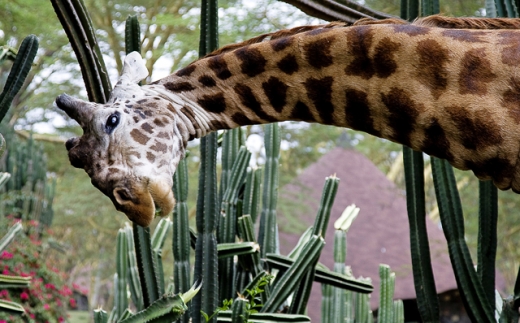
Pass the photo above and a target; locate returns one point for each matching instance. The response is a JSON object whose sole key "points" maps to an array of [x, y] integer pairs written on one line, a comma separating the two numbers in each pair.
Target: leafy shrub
{"points": [[48, 297]]}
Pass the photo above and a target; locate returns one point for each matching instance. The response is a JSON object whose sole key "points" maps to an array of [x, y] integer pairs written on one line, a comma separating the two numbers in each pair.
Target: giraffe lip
{"points": [[162, 196]]}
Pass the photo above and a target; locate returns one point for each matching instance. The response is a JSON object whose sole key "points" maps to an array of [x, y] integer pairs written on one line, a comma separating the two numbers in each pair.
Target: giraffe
{"points": [[449, 87]]}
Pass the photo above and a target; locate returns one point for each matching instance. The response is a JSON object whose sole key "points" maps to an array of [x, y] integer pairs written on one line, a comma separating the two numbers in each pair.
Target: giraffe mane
{"points": [[468, 23], [430, 21], [275, 35]]}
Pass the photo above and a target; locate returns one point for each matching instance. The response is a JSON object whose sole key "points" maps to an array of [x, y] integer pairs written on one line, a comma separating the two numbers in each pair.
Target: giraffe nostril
{"points": [[71, 143], [122, 195]]}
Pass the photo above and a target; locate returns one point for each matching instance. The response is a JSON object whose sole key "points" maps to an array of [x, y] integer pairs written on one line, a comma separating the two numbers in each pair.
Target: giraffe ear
{"points": [[77, 109], [134, 70]]}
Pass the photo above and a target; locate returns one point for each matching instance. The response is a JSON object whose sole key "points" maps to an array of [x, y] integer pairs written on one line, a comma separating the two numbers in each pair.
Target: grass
{"points": [[78, 317]]}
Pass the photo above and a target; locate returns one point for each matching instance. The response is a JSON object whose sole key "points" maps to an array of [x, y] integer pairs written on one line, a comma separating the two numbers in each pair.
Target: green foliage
{"points": [[48, 297]]}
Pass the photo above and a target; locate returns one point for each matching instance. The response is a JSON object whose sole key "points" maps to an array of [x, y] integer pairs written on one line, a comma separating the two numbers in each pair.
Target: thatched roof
{"points": [[380, 233]]}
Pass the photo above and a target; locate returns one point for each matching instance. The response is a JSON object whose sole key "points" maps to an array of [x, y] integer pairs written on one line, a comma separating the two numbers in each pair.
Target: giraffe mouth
{"points": [[142, 200]]}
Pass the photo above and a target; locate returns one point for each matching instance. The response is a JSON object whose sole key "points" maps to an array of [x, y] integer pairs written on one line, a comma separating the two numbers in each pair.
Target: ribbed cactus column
{"points": [[228, 218], [21, 67], [303, 289], [268, 227], [181, 234], [120, 298], [386, 295], [207, 212]]}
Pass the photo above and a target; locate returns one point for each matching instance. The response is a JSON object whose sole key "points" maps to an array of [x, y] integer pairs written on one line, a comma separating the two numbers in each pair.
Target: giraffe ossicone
{"points": [[452, 92]]}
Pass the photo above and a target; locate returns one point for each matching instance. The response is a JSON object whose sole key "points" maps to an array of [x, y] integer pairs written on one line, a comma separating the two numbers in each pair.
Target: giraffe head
{"points": [[130, 146]]}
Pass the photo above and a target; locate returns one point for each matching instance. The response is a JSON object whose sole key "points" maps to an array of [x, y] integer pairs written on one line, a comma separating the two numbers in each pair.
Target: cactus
{"points": [[298, 270], [427, 301], [120, 298], [239, 310], [206, 217], [168, 308], [78, 26], [133, 271], [303, 290], [252, 193], [19, 71], [158, 238], [181, 233], [386, 295], [268, 227], [227, 230], [100, 316]]}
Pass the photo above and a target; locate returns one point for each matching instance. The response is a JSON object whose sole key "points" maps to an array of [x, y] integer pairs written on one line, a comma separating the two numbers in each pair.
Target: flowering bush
{"points": [[48, 297]]}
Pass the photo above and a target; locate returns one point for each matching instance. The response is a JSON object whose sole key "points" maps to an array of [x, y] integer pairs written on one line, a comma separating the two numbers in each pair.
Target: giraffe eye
{"points": [[112, 122]]}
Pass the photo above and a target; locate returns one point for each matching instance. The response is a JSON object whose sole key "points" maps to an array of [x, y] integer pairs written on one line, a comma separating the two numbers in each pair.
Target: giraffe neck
{"points": [[448, 92]]}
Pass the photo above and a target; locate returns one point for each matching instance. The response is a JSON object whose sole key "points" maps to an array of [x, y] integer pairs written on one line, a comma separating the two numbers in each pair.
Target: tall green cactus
{"points": [[477, 303], [181, 234], [268, 233], [386, 295], [77, 24], [120, 298], [207, 211], [21, 67], [303, 290]]}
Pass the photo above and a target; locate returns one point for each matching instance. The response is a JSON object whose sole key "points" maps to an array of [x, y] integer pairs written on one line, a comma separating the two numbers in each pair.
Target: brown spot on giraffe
{"points": [[185, 71], [436, 142], [317, 53], [411, 30], [178, 87], [215, 103], [139, 137], [288, 64], [402, 113], [248, 99], [252, 61], [158, 122], [320, 93], [282, 43], [499, 169], [151, 157], [384, 62], [159, 147], [476, 72], [479, 131], [431, 70], [163, 135], [465, 35], [511, 53], [511, 99], [276, 92], [219, 66], [360, 40], [147, 127], [357, 111], [207, 80], [301, 112]]}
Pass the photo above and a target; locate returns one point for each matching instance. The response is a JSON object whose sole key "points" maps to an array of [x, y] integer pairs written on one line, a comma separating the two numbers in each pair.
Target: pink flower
{"points": [[24, 296], [46, 306], [5, 272], [61, 319], [32, 315], [50, 286], [72, 302], [3, 321], [6, 255]]}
